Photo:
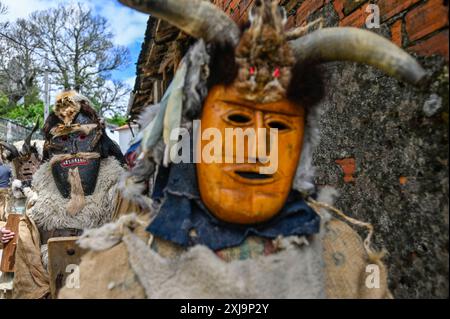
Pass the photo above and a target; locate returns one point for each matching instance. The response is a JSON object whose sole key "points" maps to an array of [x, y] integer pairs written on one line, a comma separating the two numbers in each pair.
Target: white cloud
{"points": [[130, 81], [127, 24], [22, 8]]}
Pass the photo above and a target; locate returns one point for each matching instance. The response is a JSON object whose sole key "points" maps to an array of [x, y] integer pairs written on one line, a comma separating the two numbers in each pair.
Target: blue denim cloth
{"points": [[5, 176], [182, 210]]}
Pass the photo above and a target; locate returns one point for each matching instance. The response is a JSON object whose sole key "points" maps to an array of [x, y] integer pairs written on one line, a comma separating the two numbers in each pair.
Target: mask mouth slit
{"points": [[253, 175], [74, 162]]}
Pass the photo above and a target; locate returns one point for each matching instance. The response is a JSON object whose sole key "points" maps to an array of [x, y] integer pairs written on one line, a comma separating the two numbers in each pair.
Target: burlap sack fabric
{"points": [[107, 273], [346, 262], [5, 278], [31, 280], [4, 203]]}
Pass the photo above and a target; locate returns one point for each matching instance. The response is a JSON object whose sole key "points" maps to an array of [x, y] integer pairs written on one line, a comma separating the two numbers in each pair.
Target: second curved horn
{"points": [[357, 45]]}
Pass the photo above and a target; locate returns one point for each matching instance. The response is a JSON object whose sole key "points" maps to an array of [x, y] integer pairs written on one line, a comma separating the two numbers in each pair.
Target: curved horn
{"points": [[13, 152], [357, 45], [26, 147], [198, 18]]}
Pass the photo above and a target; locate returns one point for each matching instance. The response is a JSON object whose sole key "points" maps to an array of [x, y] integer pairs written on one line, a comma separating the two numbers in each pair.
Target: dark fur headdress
{"points": [[263, 55], [68, 105]]}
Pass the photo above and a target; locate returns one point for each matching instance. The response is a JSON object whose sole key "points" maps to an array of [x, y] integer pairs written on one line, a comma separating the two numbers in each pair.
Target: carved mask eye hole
{"points": [[238, 119], [281, 126]]}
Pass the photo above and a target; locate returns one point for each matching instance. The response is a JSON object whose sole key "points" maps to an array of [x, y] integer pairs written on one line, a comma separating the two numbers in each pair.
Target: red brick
{"points": [[356, 19], [290, 22], [234, 10], [389, 8], [235, 3], [426, 19], [396, 32], [437, 44], [348, 166], [236, 15], [227, 4], [306, 9], [232, 6], [289, 5], [403, 180], [351, 5], [339, 7]]}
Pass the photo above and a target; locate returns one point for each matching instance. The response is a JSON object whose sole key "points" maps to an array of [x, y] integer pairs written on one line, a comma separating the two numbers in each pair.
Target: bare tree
{"points": [[19, 66], [73, 45], [3, 8], [78, 45], [110, 97]]}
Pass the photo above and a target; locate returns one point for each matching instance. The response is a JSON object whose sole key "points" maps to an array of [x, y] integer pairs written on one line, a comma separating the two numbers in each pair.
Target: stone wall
{"points": [[13, 132], [384, 144]]}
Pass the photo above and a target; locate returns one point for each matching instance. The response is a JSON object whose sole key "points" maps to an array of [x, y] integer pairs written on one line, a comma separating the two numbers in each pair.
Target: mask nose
{"points": [[258, 145], [74, 148]]}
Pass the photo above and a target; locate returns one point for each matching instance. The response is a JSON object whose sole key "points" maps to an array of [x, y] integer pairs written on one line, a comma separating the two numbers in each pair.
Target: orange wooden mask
{"points": [[238, 192]]}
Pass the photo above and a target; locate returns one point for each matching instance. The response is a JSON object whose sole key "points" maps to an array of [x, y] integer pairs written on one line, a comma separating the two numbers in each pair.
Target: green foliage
{"points": [[27, 115], [117, 119], [4, 103], [24, 114], [32, 97]]}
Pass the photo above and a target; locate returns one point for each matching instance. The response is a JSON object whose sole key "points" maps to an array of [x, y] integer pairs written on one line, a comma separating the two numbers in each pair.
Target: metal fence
{"points": [[13, 132]]}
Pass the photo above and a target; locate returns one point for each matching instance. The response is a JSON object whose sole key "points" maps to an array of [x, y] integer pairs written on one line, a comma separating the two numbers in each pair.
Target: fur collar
{"points": [[49, 211]]}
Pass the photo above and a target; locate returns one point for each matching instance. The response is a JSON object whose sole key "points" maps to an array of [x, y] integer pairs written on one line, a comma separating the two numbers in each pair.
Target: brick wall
{"points": [[420, 26], [384, 144]]}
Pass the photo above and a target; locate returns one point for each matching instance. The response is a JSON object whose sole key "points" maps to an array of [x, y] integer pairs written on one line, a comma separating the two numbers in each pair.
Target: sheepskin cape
{"points": [[47, 211], [99, 205], [121, 264]]}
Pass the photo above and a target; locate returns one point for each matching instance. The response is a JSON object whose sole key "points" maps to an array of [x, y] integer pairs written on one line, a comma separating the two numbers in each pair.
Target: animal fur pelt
{"points": [[195, 87], [304, 176], [199, 273], [16, 187], [110, 234], [37, 144], [68, 104], [49, 211]]}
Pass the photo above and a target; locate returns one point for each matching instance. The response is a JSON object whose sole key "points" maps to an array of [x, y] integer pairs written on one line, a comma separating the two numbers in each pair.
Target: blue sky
{"points": [[127, 25]]}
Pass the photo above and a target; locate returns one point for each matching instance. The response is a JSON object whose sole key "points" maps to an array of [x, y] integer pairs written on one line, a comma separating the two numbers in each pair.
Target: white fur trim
{"points": [[16, 187], [49, 210]]}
